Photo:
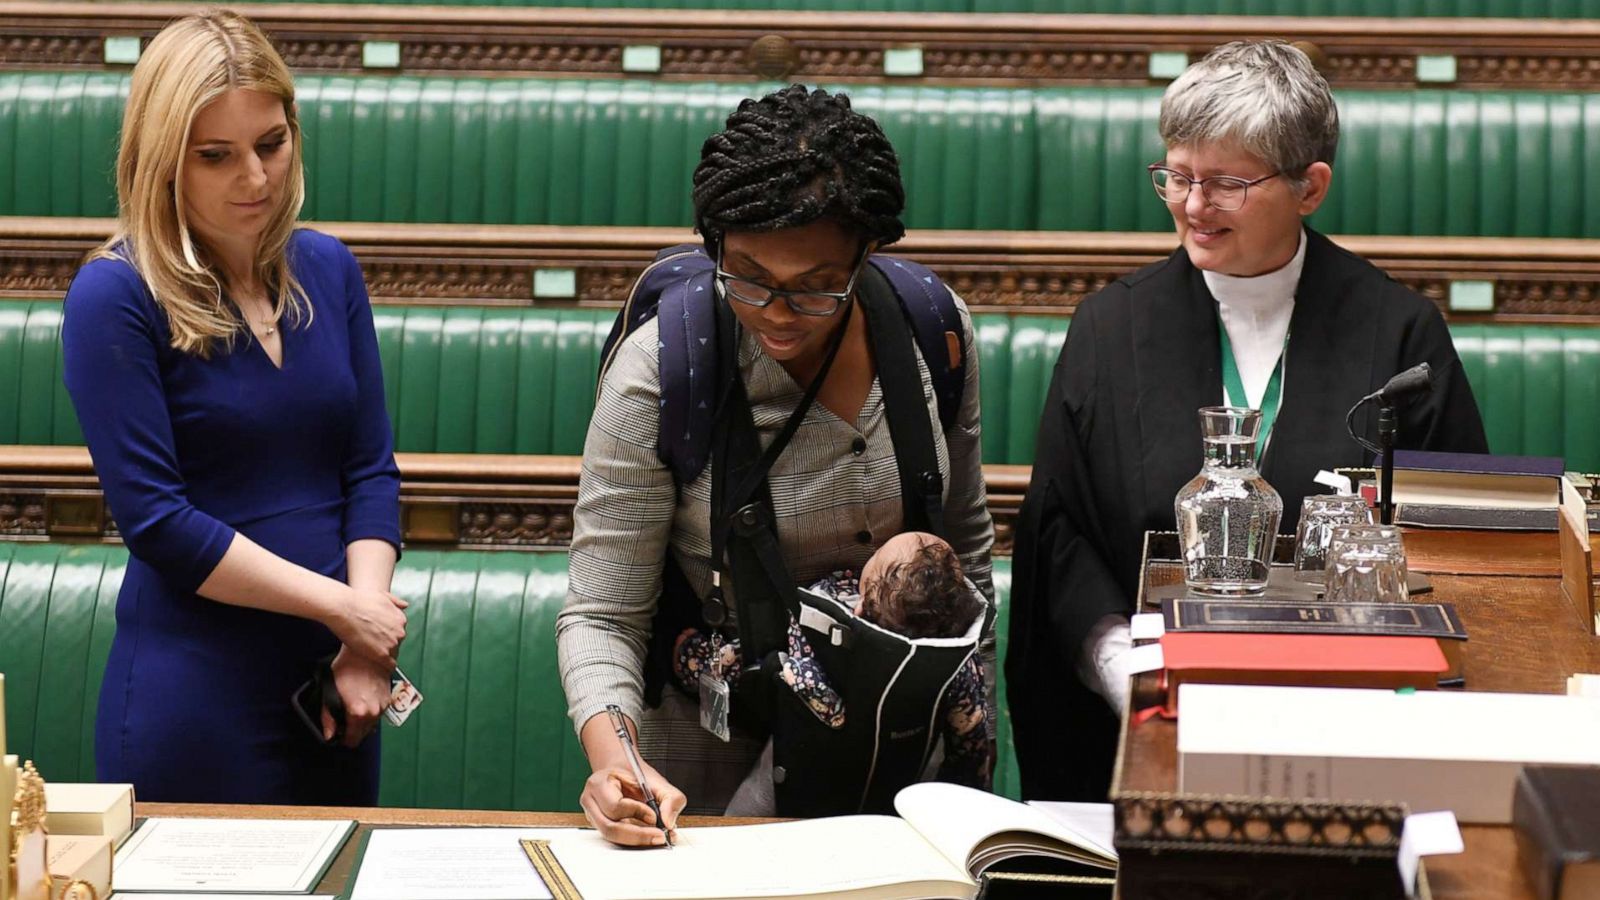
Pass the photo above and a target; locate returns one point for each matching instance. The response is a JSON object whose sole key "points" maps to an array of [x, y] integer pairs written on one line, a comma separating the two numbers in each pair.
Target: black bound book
{"points": [[1556, 813], [1435, 620]]}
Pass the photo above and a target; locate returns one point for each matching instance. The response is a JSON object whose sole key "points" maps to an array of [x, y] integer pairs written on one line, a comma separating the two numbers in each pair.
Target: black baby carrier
{"points": [[892, 686]]}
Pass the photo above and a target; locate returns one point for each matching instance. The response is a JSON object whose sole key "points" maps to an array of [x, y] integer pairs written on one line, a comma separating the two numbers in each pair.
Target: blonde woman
{"points": [[225, 369]]}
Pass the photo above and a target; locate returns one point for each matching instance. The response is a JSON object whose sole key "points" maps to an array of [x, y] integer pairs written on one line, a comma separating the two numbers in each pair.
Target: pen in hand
{"points": [[620, 723]]}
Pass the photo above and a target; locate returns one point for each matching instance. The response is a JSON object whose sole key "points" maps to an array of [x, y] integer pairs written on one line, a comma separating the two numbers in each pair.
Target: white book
{"points": [[1432, 750], [80, 866], [89, 809]]}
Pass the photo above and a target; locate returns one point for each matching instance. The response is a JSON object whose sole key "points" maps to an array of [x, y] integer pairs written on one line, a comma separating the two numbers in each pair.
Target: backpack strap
{"points": [[905, 407], [687, 319], [670, 266], [936, 324]]}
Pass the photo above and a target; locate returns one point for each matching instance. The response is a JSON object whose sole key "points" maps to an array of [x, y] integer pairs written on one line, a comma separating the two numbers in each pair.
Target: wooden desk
{"points": [[1523, 637], [338, 875]]}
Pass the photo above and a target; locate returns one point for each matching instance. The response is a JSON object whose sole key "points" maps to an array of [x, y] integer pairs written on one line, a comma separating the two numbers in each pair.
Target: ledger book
{"points": [[947, 836]]}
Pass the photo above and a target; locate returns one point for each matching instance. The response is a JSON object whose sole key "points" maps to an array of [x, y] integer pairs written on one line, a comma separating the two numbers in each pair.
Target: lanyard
{"points": [[1233, 386]]}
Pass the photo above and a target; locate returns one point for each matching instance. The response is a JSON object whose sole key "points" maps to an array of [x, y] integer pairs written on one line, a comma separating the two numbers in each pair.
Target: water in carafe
{"points": [[1228, 514]]}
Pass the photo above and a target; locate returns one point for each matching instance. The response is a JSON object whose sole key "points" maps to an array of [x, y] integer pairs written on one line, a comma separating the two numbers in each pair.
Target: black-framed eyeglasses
{"points": [[1224, 192], [805, 303]]}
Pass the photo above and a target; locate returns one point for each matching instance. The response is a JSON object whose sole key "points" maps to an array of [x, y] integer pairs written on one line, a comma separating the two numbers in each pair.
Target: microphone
{"points": [[1416, 380]]}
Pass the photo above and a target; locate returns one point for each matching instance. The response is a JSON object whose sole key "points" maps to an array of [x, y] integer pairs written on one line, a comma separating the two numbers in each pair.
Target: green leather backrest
{"points": [[1538, 388], [1016, 357], [492, 734], [490, 379], [1497, 8], [574, 152], [522, 380], [34, 405]]}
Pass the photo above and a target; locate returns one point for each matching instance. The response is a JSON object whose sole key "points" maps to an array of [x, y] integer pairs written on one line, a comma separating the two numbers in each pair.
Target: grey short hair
{"points": [[1266, 96]]}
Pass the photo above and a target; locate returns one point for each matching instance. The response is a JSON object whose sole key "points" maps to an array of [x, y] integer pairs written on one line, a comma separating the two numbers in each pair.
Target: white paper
{"points": [[1145, 658], [451, 864], [1339, 483], [186, 896], [264, 856], [1426, 834], [803, 857], [1147, 626], [1095, 821]]}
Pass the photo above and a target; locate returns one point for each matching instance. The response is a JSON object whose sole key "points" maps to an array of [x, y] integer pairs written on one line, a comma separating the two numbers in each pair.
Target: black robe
{"points": [[1120, 435]]}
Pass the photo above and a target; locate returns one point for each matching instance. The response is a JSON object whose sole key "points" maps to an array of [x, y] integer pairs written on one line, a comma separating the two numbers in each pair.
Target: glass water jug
{"points": [[1228, 514]]}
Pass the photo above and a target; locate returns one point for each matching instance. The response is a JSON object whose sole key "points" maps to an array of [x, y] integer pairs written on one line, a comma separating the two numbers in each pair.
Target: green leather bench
{"points": [[522, 380], [1497, 8], [494, 733], [573, 152]]}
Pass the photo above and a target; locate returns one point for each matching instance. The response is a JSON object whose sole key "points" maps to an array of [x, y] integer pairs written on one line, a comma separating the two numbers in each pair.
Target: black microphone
{"points": [[1416, 380]]}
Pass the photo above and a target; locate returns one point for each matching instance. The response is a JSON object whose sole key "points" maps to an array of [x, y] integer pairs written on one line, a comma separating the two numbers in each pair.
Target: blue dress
{"points": [[195, 705]]}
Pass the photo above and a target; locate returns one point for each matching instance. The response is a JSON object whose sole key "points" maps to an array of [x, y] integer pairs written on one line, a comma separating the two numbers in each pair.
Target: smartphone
{"points": [[307, 703], [404, 698]]}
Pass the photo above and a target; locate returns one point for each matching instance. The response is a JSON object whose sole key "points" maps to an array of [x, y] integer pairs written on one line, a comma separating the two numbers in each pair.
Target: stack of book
{"points": [[1308, 643], [87, 822], [1476, 513]]}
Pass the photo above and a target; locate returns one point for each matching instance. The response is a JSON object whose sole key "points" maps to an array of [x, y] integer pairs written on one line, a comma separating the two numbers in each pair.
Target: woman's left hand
{"points": [[363, 685]]}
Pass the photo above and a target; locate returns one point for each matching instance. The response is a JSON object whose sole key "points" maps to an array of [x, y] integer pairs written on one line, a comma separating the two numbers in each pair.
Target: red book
{"points": [[1310, 660]]}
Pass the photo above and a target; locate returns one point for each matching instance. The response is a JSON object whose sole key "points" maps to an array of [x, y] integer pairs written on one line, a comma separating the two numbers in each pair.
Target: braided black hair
{"points": [[793, 157]]}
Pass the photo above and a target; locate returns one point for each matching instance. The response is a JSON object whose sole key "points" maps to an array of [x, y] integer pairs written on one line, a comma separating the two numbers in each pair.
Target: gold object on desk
{"points": [[28, 873], [550, 871]]}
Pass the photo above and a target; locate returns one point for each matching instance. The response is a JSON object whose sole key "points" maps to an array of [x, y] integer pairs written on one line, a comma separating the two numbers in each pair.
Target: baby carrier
{"points": [[892, 686]]}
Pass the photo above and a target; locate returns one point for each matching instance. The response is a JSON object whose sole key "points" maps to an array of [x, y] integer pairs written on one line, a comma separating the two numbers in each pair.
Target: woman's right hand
{"points": [[613, 804], [611, 798], [371, 623]]}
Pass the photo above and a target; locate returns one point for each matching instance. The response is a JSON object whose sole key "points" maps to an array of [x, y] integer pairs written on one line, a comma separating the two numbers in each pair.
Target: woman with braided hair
{"points": [[792, 199]]}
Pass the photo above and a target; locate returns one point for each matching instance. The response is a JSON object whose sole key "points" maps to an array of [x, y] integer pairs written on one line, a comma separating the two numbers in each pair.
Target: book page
{"points": [[865, 855], [450, 864], [1095, 821], [265, 856], [959, 820]]}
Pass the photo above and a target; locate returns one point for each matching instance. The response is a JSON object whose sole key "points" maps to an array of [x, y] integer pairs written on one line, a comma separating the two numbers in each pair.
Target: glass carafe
{"points": [[1228, 514]]}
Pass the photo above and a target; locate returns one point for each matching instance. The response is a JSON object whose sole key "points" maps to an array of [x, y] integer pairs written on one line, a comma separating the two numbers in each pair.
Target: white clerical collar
{"points": [[1259, 293]]}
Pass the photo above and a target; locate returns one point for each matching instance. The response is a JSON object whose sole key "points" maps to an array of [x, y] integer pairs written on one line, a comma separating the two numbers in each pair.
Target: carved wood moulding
{"points": [[832, 46], [461, 500], [1535, 280]]}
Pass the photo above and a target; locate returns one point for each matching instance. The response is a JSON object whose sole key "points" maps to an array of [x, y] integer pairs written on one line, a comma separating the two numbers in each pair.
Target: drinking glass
{"points": [[1319, 515], [1366, 564]]}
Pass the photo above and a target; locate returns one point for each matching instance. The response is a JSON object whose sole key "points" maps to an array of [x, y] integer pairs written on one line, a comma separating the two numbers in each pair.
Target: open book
{"points": [[948, 835]]}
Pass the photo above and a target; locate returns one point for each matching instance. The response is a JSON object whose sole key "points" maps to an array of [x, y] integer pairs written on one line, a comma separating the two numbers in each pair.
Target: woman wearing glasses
{"points": [[792, 199], [1303, 327]]}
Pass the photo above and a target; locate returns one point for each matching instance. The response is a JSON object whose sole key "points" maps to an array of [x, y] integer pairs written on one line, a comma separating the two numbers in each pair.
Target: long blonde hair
{"points": [[191, 63]]}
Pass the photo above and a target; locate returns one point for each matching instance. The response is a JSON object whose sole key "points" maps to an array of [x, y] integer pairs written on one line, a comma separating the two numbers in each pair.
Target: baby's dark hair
{"points": [[793, 157], [925, 596]]}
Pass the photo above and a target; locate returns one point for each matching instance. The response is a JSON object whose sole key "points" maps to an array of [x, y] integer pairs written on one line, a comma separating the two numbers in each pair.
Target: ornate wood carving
{"points": [[1536, 280], [461, 500], [826, 46]]}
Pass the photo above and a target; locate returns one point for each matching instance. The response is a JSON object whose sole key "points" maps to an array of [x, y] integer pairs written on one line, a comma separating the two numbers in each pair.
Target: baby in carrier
{"points": [[913, 586]]}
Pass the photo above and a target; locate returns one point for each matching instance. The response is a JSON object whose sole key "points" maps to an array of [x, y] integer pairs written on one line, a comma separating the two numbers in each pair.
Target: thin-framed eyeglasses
{"points": [[805, 303], [1224, 192]]}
